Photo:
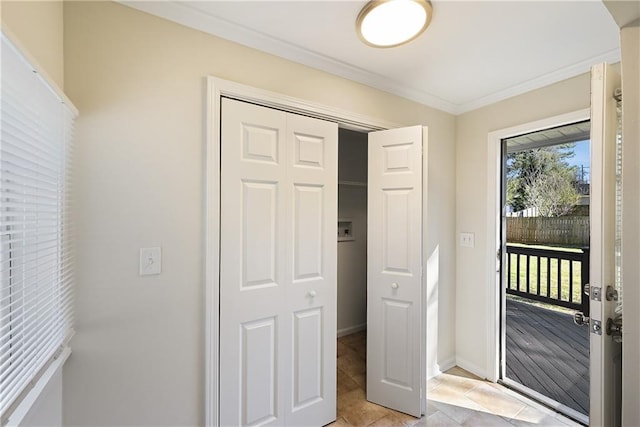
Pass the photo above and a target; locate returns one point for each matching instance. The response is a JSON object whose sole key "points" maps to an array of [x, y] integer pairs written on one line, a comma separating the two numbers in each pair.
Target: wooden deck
{"points": [[548, 353]]}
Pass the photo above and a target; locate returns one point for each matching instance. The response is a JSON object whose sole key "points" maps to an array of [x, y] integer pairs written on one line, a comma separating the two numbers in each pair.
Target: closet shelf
{"points": [[352, 183]]}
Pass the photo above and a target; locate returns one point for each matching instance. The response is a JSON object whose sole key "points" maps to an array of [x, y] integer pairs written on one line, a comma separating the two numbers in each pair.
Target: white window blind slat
{"points": [[27, 348], [40, 163], [17, 305], [25, 271], [36, 325], [67, 258], [30, 299], [65, 274], [15, 136], [37, 311], [20, 117], [30, 338], [38, 295], [36, 254]]}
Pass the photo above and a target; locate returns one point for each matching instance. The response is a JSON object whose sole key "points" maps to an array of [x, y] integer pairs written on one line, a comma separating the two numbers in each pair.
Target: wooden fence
{"points": [[568, 231]]}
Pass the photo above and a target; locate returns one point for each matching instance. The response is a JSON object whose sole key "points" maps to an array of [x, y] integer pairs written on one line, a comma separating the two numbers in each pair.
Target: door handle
{"points": [[312, 294], [394, 285]]}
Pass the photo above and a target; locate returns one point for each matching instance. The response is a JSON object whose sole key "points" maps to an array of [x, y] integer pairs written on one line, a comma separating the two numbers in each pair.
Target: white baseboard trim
{"points": [[471, 367], [440, 368], [351, 329]]}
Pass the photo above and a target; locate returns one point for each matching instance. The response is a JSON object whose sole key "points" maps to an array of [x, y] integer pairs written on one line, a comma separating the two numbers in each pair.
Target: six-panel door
{"points": [[394, 275], [277, 267]]}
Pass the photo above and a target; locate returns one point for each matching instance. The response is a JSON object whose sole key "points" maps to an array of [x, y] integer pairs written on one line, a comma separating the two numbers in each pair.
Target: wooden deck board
{"points": [[546, 352]]}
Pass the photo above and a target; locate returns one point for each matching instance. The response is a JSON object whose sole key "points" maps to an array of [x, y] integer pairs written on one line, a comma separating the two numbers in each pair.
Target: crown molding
{"points": [[193, 17], [576, 69], [186, 14]]}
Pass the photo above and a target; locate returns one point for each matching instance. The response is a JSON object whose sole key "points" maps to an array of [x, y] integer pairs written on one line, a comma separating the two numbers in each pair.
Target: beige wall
{"points": [[439, 249], [472, 297], [138, 82], [630, 43], [38, 27]]}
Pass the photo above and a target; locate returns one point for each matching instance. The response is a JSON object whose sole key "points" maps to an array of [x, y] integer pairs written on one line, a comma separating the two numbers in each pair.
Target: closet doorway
{"points": [[395, 317]]}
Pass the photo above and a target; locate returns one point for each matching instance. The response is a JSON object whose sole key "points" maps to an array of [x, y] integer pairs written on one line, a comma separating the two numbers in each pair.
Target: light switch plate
{"points": [[150, 261], [467, 240]]}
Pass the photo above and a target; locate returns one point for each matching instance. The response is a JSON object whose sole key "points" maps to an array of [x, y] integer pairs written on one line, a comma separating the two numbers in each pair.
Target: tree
{"points": [[541, 178], [552, 194]]}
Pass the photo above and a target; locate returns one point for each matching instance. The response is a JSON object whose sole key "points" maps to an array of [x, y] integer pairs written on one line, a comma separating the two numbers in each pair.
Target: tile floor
{"points": [[455, 398]]}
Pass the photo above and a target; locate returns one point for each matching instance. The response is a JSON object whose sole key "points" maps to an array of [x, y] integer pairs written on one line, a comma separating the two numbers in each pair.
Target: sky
{"points": [[581, 157]]}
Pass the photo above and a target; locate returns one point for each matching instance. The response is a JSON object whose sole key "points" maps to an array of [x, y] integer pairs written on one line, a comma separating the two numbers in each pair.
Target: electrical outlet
{"points": [[150, 261], [467, 240], [345, 230]]}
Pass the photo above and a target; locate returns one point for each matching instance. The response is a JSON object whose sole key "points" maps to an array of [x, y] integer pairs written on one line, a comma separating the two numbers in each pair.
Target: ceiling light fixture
{"points": [[389, 23]]}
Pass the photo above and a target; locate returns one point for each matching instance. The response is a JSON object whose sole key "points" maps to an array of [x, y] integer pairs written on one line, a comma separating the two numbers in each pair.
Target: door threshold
{"points": [[543, 400]]}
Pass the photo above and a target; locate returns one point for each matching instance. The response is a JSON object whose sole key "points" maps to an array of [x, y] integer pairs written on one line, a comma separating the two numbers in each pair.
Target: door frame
{"points": [[217, 88], [495, 315]]}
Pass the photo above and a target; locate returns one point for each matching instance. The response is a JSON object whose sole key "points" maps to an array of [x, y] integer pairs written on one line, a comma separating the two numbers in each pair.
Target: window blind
{"points": [[36, 292]]}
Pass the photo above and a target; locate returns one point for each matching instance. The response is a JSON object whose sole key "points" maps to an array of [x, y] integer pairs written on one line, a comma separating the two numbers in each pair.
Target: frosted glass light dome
{"points": [[388, 23]]}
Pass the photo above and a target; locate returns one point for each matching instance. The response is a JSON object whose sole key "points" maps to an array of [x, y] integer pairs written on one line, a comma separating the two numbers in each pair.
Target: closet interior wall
{"points": [[352, 254]]}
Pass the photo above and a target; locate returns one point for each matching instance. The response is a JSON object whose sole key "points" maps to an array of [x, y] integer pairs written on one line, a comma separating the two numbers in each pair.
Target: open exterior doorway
{"points": [[545, 239], [605, 290]]}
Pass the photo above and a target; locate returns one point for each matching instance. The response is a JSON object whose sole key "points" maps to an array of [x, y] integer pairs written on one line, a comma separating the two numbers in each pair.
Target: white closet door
{"points": [[311, 268], [277, 267], [253, 343], [394, 277]]}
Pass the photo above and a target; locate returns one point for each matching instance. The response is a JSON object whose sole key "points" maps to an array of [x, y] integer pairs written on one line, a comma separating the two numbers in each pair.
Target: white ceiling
{"points": [[474, 53]]}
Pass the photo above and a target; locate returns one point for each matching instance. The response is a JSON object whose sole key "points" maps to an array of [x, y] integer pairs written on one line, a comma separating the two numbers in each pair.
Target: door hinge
{"points": [[614, 328], [595, 326], [580, 319], [617, 94]]}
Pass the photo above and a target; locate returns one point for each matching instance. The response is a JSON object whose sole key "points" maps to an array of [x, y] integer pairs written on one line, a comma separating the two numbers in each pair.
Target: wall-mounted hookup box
{"points": [[345, 230]]}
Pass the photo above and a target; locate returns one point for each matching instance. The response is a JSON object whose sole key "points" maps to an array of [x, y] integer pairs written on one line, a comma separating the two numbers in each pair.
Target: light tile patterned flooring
{"points": [[455, 398]]}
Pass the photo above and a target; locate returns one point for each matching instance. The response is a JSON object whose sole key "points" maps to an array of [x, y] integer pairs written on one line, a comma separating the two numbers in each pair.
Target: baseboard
{"points": [[351, 329], [471, 367], [440, 368]]}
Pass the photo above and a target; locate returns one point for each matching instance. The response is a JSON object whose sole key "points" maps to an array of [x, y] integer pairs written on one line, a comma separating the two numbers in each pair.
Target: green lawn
{"points": [[543, 265]]}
